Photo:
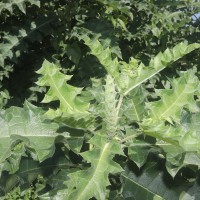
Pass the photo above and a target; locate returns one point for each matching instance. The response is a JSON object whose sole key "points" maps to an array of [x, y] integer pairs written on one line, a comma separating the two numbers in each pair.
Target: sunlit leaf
{"points": [[92, 182]]}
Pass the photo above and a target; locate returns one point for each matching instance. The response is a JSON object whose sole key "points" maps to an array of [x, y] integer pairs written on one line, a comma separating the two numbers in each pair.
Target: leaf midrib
{"points": [[174, 103], [38, 168], [139, 185], [58, 93], [134, 107], [141, 80], [88, 186]]}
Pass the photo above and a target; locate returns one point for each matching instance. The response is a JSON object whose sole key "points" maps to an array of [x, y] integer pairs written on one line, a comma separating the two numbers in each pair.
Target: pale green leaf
{"points": [[159, 62], [190, 141], [83, 121], [92, 182], [68, 96], [11, 164], [130, 75], [134, 105], [28, 125], [172, 101], [138, 152], [181, 143]]}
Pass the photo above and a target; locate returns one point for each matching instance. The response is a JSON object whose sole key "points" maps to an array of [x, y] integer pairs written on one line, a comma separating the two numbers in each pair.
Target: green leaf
{"points": [[159, 62], [11, 164], [130, 75], [172, 101], [70, 101], [92, 182], [190, 141], [151, 183], [58, 186], [29, 170], [180, 142], [83, 121], [28, 125], [105, 58], [134, 105], [138, 152]]}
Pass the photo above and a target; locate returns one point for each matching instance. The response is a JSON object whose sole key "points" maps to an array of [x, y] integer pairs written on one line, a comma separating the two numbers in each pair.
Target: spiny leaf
{"points": [[58, 184], [79, 121], [168, 138], [76, 120], [11, 164], [190, 125], [93, 181], [29, 170], [180, 142], [173, 100], [27, 124], [159, 62], [105, 58], [130, 75], [187, 139], [161, 131], [138, 152], [68, 95], [134, 105]]}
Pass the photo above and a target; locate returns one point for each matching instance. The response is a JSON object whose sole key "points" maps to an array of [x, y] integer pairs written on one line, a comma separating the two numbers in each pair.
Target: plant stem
{"points": [[119, 103]]}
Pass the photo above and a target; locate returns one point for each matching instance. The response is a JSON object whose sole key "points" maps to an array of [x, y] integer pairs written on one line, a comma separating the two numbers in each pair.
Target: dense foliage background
{"points": [[89, 76]]}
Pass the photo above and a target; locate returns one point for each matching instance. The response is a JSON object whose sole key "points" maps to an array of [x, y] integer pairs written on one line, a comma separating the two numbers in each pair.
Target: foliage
{"points": [[99, 100]]}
